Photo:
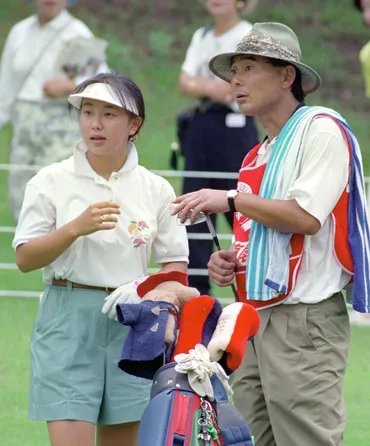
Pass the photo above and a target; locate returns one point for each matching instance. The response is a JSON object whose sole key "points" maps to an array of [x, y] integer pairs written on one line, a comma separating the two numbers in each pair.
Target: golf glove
{"points": [[125, 294]]}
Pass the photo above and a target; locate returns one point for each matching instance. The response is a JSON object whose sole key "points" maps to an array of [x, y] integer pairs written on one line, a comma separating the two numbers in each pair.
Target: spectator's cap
{"points": [[272, 40]]}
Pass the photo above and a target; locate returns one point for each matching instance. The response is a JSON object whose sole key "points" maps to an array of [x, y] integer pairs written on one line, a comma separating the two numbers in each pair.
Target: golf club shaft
{"points": [[213, 232]]}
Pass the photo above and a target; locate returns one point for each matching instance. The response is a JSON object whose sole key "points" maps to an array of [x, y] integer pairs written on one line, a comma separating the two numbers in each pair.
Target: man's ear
{"points": [[288, 76]]}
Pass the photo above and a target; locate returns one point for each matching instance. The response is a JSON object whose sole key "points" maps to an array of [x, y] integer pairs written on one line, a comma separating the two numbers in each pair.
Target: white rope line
{"points": [[191, 271], [163, 173], [36, 294], [191, 235]]}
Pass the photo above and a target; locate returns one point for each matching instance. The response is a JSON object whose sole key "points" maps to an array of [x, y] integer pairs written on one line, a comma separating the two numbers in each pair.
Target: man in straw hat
{"points": [[300, 231], [217, 135]]}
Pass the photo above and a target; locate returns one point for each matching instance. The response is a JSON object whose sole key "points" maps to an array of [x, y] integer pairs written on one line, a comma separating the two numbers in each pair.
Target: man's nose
{"points": [[236, 81]]}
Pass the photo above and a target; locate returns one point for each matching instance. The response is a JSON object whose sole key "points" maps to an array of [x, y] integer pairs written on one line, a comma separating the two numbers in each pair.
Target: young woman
{"points": [[218, 136], [34, 93], [92, 222]]}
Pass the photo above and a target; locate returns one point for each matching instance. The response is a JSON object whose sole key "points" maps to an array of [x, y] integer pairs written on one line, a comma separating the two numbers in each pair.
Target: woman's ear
{"points": [[135, 125]]}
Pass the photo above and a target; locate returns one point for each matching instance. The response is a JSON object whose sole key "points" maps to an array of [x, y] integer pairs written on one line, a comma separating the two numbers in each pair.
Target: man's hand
{"points": [[221, 267], [208, 201], [59, 87]]}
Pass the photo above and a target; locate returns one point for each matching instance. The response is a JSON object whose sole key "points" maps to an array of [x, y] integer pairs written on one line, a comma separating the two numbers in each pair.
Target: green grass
{"points": [[149, 48], [16, 319]]}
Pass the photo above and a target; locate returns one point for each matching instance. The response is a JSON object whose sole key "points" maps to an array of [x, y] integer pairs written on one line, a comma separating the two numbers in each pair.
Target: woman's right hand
{"points": [[97, 217]]}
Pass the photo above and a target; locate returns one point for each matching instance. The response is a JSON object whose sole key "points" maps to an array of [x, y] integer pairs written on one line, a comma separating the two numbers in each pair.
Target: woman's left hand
{"points": [[208, 201]]}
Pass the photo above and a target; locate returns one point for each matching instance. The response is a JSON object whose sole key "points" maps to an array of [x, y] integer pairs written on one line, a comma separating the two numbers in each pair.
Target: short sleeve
{"points": [[37, 217], [171, 243], [192, 60], [324, 170]]}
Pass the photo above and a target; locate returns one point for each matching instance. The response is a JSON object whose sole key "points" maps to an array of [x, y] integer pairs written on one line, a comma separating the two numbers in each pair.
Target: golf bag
{"points": [[177, 416]]}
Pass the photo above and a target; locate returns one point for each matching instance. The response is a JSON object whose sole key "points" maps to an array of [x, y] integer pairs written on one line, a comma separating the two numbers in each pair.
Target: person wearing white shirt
{"points": [[92, 223], [34, 93], [217, 137]]}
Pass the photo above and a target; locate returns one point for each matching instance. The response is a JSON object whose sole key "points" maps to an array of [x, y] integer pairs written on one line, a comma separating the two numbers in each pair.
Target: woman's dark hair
{"points": [[123, 88], [296, 87]]}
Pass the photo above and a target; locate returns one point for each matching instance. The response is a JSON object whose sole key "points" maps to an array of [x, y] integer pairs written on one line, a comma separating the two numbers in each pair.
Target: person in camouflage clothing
{"points": [[34, 91]]}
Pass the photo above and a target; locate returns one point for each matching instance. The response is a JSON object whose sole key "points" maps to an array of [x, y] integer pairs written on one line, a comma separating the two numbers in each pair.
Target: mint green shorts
{"points": [[75, 349]]}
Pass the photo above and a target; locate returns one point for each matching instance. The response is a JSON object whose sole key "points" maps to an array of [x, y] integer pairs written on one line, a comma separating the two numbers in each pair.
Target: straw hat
{"points": [[248, 7], [272, 40]]}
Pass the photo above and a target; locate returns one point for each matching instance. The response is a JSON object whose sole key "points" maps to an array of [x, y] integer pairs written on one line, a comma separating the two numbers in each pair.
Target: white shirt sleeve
{"points": [[324, 171], [171, 243], [192, 60], [38, 215], [8, 85]]}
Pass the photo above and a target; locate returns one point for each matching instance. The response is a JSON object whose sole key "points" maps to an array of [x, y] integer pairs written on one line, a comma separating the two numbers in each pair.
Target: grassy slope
{"points": [[331, 35]]}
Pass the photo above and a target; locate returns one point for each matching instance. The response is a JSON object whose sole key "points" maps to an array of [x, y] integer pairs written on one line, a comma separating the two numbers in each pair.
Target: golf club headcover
{"points": [[144, 350], [156, 279], [198, 320], [238, 323]]}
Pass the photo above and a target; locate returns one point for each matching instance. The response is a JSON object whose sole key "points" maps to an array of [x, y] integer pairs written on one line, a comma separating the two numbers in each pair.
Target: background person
{"points": [[34, 94], [218, 136]]}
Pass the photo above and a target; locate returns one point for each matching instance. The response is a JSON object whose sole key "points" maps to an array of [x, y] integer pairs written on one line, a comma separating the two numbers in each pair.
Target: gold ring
{"points": [[102, 218]]}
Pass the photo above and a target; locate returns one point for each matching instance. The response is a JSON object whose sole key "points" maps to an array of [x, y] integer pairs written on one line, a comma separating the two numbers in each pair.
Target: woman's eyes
{"points": [[107, 115]]}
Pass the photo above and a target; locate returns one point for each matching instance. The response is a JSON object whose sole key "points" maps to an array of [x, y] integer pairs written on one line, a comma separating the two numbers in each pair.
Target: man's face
{"points": [[220, 7], [49, 9], [256, 84]]}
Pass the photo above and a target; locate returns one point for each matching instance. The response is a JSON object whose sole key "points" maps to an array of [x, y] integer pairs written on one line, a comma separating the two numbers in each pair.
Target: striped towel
{"points": [[268, 250]]}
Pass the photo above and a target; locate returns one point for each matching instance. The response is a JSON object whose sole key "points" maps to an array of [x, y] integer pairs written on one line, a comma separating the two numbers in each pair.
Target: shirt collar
{"points": [[82, 165], [57, 23]]}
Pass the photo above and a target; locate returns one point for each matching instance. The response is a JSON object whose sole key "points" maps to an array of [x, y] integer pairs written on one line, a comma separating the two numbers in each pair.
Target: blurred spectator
{"points": [[364, 7], [34, 85], [216, 137]]}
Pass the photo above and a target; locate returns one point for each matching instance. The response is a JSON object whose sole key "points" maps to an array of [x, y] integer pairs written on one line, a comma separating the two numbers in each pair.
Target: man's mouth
{"points": [[97, 138]]}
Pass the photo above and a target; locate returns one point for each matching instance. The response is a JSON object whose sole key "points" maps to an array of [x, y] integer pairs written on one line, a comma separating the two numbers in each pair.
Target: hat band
{"points": [[262, 44]]}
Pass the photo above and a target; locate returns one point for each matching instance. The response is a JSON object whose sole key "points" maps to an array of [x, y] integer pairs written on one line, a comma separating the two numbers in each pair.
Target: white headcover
{"points": [[102, 92]]}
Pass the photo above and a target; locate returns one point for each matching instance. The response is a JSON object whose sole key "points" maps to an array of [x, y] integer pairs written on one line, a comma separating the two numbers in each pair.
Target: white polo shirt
{"points": [[323, 178], [205, 45], [62, 191]]}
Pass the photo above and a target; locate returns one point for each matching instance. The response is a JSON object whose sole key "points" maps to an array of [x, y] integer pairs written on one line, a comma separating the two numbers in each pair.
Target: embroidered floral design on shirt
{"points": [[139, 231]]}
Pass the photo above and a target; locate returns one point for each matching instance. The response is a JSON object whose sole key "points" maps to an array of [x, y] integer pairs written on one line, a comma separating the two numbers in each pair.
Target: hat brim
{"points": [[221, 66], [76, 99], [250, 6]]}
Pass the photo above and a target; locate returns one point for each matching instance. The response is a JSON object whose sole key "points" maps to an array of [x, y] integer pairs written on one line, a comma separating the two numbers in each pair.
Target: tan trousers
{"points": [[291, 390]]}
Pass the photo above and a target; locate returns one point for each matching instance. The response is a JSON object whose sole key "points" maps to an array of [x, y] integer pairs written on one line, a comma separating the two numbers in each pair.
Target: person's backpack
{"points": [[177, 416]]}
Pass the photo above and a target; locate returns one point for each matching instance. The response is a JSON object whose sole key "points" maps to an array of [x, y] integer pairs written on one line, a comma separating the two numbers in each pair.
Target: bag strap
{"points": [[206, 29], [40, 55]]}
